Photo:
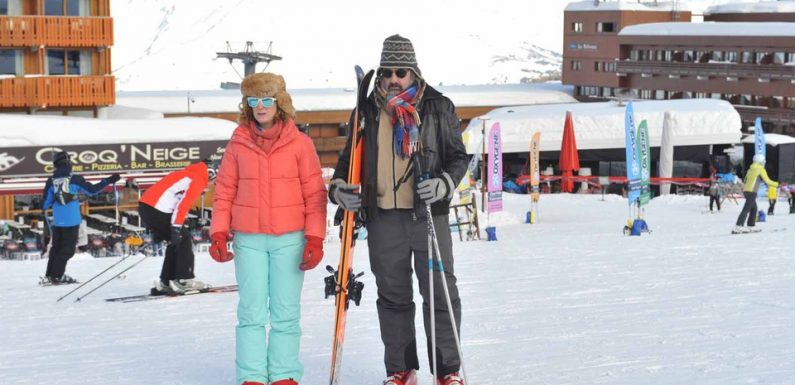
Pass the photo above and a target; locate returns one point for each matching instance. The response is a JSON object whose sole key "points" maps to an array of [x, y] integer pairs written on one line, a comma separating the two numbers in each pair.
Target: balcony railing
{"points": [[772, 115], [767, 71], [57, 91], [59, 31]]}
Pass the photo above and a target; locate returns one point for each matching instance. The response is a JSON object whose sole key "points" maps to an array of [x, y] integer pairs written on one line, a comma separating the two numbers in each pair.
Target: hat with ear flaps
{"points": [[262, 85]]}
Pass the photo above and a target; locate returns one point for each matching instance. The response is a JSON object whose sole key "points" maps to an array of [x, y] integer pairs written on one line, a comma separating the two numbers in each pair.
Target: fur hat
{"points": [[399, 52], [266, 85], [61, 159]]}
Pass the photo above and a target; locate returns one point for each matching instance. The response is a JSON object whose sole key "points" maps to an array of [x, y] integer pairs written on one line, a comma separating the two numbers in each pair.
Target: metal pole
{"points": [[93, 278], [483, 182], [111, 278]]}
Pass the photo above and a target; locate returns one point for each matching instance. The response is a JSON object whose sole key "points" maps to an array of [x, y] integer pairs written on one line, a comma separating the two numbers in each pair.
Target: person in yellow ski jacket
{"points": [[772, 197], [756, 174]]}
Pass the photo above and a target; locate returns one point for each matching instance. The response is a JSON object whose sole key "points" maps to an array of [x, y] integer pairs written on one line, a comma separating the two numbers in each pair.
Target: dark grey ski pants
{"points": [[749, 209], [394, 236]]}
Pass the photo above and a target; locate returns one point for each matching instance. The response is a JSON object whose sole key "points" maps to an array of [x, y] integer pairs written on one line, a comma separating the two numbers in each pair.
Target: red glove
{"points": [[218, 248], [313, 252]]}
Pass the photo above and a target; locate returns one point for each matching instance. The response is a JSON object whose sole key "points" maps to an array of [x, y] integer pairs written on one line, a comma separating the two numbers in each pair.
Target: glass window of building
{"points": [[731, 56], [66, 7], [634, 54], [791, 57], [779, 58], [748, 57], [687, 56], [660, 94], [668, 55], [10, 62], [717, 55], [605, 27], [68, 62], [776, 102], [607, 91], [597, 66], [576, 26], [715, 95], [11, 7], [576, 65], [659, 54], [791, 102], [761, 58]]}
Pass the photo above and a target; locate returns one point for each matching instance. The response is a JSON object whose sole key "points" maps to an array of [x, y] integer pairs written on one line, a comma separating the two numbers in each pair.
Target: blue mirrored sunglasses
{"points": [[266, 102]]}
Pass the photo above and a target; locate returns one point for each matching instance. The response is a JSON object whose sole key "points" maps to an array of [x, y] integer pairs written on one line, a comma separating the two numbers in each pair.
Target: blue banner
{"points": [[759, 138], [633, 165]]}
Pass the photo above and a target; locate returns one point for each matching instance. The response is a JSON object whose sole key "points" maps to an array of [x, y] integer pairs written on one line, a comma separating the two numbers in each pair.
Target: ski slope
{"points": [[567, 301]]}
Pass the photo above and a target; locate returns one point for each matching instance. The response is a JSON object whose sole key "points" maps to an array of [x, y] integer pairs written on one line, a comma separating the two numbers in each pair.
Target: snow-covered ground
{"points": [[567, 301]]}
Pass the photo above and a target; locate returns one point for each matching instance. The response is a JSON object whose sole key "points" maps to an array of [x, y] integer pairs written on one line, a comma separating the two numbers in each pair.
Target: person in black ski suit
{"points": [[407, 125], [60, 193]]}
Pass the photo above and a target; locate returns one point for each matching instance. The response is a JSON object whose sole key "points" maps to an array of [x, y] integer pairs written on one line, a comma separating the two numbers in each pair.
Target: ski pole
{"points": [[93, 278], [116, 198], [430, 286], [432, 236], [110, 279]]}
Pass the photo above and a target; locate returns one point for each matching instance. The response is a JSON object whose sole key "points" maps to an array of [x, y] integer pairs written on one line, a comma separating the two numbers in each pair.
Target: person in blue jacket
{"points": [[60, 193]]}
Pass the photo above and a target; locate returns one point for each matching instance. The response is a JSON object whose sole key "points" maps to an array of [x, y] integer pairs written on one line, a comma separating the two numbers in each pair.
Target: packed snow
{"points": [[566, 301], [755, 7]]}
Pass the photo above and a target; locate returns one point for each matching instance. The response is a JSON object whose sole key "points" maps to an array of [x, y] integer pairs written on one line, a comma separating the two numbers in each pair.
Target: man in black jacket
{"points": [[409, 130]]}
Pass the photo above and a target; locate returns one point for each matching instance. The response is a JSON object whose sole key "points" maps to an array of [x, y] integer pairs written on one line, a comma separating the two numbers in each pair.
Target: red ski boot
{"points": [[407, 377], [288, 381], [451, 379]]}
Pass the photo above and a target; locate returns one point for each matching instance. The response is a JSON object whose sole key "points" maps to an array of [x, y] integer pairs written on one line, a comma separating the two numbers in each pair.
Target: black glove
{"points": [[113, 178], [178, 233], [345, 195]]}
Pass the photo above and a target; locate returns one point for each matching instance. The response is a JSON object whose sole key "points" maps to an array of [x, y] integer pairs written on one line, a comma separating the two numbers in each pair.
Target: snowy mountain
{"points": [[172, 45], [533, 64]]}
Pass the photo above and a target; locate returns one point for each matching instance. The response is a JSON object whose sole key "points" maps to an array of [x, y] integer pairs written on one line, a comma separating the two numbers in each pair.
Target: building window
{"points": [[776, 102], [634, 55], [610, 66], [791, 102], [762, 58], [597, 66], [748, 57], [576, 26], [731, 57], [68, 62], [717, 56], [645, 94], [10, 62], [576, 65], [687, 56], [659, 55], [715, 95], [659, 95], [701, 95], [779, 57], [11, 7], [607, 92], [66, 7], [605, 27]]}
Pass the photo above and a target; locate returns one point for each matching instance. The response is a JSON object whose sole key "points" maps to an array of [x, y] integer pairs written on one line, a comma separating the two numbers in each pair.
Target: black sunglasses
{"points": [[400, 72]]}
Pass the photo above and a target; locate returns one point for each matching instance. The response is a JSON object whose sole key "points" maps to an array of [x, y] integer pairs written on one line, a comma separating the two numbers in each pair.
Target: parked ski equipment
{"points": [[342, 282]]}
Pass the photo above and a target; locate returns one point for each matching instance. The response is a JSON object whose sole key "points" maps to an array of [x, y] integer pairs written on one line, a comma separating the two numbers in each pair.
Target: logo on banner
{"points": [[8, 161]]}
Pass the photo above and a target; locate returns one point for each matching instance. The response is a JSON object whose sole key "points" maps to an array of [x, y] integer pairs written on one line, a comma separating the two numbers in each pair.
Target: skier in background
{"points": [[163, 209], [405, 117], [270, 192], [772, 196], [60, 193], [714, 189], [755, 175]]}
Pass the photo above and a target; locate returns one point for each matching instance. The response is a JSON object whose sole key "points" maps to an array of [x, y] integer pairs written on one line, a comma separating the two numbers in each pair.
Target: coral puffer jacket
{"points": [[270, 193]]}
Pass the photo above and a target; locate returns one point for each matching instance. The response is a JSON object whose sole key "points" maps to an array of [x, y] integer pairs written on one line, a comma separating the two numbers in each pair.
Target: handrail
{"points": [[60, 31], [57, 91], [711, 69]]}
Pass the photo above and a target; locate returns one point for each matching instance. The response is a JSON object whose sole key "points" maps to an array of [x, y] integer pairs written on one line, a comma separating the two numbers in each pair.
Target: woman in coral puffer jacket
{"points": [[271, 195]]}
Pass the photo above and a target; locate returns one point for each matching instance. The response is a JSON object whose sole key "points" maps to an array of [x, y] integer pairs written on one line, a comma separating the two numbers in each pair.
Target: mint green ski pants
{"points": [[268, 329]]}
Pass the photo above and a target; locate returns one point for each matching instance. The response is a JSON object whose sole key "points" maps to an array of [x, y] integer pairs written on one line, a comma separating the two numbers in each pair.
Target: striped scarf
{"points": [[405, 121]]}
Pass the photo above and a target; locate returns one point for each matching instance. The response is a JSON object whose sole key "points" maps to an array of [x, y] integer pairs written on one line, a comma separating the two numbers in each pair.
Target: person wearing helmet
{"points": [[163, 209], [755, 175]]}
